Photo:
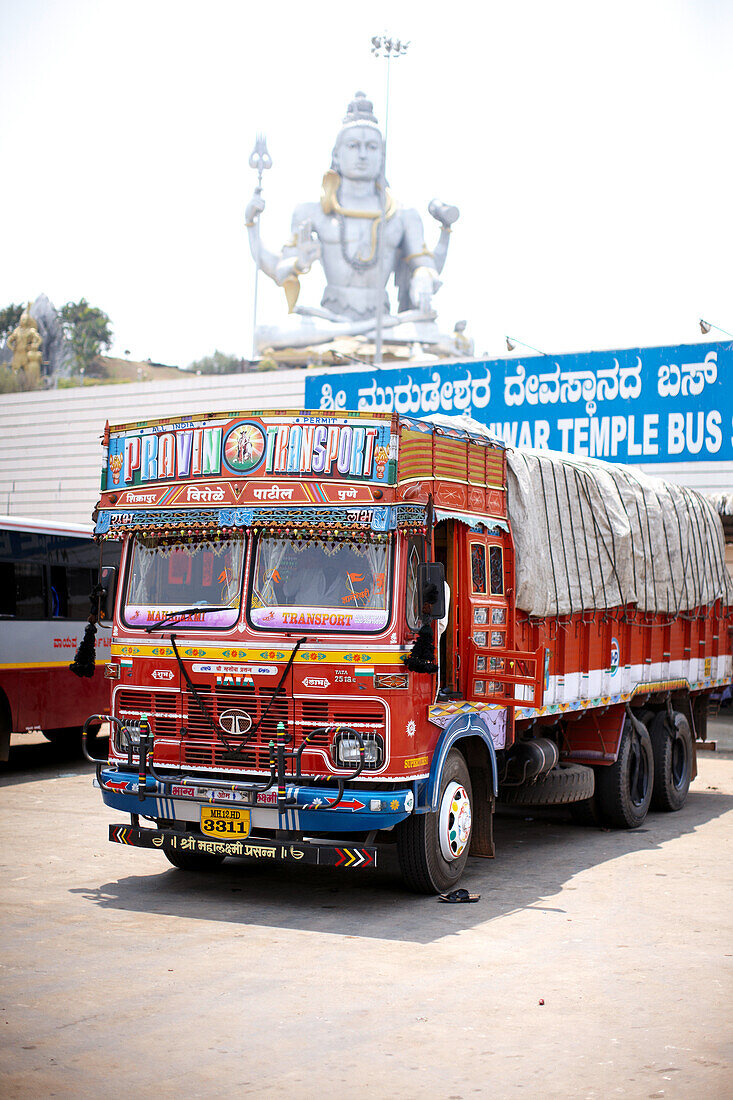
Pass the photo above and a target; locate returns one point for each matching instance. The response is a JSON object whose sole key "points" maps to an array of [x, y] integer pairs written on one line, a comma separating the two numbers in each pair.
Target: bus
{"points": [[47, 572]]}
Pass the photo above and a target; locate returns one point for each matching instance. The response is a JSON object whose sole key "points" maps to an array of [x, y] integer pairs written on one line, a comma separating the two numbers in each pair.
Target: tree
{"points": [[9, 320], [88, 331], [218, 363]]}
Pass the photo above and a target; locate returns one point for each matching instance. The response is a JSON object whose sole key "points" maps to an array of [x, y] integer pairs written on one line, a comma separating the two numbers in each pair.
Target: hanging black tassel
{"points": [[84, 660], [422, 656]]}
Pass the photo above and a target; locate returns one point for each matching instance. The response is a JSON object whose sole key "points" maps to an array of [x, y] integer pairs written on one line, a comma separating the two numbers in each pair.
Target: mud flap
{"points": [[482, 833]]}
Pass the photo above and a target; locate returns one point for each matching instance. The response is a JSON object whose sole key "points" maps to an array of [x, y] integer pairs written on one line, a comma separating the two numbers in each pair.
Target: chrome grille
{"points": [[161, 707], [202, 747]]}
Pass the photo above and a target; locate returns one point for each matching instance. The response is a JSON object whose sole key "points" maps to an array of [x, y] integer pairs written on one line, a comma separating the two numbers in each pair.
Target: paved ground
{"points": [[597, 964]]}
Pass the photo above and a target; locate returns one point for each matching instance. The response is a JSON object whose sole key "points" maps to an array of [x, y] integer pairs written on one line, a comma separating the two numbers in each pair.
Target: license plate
{"points": [[225, 822]]}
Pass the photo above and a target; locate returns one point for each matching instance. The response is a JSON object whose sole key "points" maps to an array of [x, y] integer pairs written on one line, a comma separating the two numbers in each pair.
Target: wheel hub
{"points": [[455, 821]]}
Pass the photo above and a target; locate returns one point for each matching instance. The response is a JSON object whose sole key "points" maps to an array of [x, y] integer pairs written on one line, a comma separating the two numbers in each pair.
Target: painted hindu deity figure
{"points": [[361, 236]]}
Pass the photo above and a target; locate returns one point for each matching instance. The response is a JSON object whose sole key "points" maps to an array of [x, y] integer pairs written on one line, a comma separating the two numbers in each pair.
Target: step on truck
{"points": [[334, 633]]}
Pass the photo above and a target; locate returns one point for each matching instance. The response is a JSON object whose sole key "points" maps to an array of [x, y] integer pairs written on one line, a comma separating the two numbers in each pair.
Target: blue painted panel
{"points": [[352, 815], [638, 405]]}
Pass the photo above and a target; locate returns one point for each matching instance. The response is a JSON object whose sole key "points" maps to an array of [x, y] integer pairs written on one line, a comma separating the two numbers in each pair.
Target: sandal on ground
{"points": [[458, 895]]}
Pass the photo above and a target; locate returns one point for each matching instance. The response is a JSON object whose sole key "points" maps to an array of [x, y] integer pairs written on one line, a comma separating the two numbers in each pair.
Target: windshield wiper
{"points": [[176, 616]]}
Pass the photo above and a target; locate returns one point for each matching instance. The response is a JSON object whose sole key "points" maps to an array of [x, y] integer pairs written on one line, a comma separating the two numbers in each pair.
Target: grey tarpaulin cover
{"points": [[589, 534]]}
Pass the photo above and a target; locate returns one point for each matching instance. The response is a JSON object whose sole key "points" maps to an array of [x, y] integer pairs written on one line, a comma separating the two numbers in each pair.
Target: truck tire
{"points": [[672, 762], [624, 789], [194, 861], [562, 785], [433, 848]]}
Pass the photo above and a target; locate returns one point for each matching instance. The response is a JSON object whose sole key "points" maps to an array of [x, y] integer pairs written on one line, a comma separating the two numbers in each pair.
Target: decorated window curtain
{"points": [[376, 555], [275, 558], [144, 573]]}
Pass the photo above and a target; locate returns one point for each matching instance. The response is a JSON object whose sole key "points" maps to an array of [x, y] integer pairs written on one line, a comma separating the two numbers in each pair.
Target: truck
{"points": [[339, 631]]}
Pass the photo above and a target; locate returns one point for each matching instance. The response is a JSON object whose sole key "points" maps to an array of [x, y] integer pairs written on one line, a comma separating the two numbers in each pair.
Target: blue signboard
{"points": [[665, 404]]}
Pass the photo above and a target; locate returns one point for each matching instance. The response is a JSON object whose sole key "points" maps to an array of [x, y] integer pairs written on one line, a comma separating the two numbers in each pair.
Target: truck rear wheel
{"points": [[672, 762], [433, 848], [624, 789]]}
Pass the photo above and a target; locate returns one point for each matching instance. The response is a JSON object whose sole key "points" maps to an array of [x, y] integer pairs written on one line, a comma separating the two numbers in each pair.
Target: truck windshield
{"points": [[323, 585], [164, 580]]}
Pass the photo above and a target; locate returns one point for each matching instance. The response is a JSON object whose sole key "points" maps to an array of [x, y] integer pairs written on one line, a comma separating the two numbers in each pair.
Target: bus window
{"points": [[29, 602], [71, 587], [7, 589], [58, 592], [79, 584]]}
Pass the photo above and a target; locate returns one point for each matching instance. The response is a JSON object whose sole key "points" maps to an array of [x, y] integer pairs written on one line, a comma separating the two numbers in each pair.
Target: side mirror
{"points": [[431, 586], [108, 581]]}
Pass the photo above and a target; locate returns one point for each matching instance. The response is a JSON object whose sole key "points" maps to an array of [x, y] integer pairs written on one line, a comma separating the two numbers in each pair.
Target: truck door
{"points": [[445, 549], [495, 671], [489, 622]]}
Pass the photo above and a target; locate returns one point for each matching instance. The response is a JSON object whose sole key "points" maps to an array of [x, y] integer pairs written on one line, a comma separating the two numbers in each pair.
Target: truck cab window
{"points": [[415, 554], [478, 568], [162, 579], [496, 570], [319, 583]]}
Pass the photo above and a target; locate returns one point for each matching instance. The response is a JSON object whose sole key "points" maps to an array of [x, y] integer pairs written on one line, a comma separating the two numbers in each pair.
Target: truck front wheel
{"points": [[194, 861], [624, 789], [433, 847]]}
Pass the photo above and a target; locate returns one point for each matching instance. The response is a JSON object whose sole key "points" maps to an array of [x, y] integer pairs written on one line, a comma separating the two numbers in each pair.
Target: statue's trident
{"points": [[260, 160]]}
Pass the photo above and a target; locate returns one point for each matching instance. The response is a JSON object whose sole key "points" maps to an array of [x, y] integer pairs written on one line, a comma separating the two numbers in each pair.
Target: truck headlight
{"points": [[345, 750], [129, 733], [133, 731]]}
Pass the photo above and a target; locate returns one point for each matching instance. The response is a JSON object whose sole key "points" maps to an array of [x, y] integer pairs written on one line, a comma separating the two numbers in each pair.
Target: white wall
{"points": [[50, 440]]}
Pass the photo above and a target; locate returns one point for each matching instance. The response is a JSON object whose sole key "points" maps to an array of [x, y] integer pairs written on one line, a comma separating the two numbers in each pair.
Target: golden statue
{"points": [[25, 343]]}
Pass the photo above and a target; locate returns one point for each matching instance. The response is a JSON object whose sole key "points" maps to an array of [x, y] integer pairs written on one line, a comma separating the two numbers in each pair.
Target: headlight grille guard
{"points": [[280, 757]]}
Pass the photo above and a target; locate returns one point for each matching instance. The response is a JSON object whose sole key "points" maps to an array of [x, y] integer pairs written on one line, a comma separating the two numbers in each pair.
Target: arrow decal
{"points": [[353, 857], [344, 804]]}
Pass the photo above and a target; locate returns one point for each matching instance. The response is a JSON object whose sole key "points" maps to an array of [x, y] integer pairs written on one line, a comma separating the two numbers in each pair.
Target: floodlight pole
{"points": [[260, 160], [382, 45]]}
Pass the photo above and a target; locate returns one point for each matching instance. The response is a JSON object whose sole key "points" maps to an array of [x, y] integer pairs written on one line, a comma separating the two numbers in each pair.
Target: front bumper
{"points": [[361, 810], [322, 854]]}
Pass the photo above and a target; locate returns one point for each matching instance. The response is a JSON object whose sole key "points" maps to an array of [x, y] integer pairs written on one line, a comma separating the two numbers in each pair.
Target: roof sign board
{"points": [[638, 405]]}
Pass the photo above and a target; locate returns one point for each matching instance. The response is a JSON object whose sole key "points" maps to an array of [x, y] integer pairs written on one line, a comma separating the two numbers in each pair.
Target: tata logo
{"points": [[162, 674], [235, 722], [316, 682]]}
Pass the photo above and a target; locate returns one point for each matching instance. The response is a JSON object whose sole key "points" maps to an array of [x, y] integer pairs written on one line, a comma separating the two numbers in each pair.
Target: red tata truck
{"points": [[335, 632]]}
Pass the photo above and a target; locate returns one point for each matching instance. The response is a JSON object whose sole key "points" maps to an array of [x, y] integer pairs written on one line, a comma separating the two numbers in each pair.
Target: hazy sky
{"points": [[588, 146]]}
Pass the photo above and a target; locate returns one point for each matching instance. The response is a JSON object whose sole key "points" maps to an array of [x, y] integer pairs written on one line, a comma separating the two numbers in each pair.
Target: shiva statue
{"points": [[356, 224]]}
